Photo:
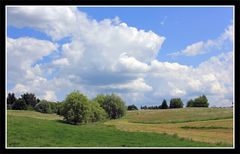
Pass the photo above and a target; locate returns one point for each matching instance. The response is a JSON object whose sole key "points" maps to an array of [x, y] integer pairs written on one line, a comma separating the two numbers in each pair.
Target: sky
{"points": [[143, 54]]}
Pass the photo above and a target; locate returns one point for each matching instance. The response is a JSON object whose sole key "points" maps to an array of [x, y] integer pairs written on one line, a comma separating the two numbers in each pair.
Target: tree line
{"points": [[200, 101], [75, 109]]}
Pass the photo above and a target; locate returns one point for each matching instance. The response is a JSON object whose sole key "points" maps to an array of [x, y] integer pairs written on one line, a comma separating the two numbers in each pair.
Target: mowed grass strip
{"points": [[24, 131], [205, 127], [179, 115]]}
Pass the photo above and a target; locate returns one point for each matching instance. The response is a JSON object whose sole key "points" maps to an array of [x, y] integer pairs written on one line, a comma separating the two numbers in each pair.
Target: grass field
{"points": [[179, 115], [210, 125], [33, 129]]}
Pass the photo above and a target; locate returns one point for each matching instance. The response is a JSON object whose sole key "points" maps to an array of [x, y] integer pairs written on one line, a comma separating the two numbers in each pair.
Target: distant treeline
{"points": [[112, 104], [200, 101]]}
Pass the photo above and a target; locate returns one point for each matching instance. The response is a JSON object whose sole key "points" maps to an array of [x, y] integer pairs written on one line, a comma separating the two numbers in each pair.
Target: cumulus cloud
{"points": [[22, 53], [107, 56], [55, 19], [135, 86], [62, 61], [202, 47], [50, 95], [130, 64], [212, 77]]}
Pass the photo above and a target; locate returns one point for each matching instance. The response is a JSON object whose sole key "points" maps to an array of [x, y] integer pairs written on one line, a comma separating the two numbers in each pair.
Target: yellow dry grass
{"points": [[204, 135]]}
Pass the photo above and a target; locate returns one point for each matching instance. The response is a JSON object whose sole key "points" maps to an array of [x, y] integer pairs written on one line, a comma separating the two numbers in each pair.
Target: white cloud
{"points": [[207, 46], [55, 19], [135, 86], [22, 53], [19, 88], [228, 33], [50, 96], [213, 77], [62, 61], [194, 49], [130, 64]]}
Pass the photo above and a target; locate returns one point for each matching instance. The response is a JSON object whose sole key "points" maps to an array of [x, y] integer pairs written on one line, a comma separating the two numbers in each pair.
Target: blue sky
{"points": [[182, 36]]}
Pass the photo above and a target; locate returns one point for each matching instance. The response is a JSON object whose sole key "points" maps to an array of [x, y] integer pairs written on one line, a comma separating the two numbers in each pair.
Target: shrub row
{"points": [[75, 109]]}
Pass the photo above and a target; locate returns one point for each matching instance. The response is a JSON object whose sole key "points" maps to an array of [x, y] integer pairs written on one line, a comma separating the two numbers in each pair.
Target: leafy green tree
{"points": [[176, 103], [190, 103], [201, 101], [30, 100], [113, 105], [53, 106], [100, 99], [76, 108], [97, 112], [43, 107], [10, 100], [19, 104], [59, 108], [164, 104], [132, 107]]}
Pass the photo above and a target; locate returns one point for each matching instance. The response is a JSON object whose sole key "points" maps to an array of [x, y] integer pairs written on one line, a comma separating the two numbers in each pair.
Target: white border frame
{"points": [[102, 6]]}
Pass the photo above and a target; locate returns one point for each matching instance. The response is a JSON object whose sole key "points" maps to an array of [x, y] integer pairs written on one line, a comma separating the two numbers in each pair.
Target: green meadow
{"points": [[34, 129]]}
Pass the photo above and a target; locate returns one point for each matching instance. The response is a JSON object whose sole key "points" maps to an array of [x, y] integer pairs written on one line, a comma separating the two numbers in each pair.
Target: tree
{"points": [[132, 107], [43, 107], [176, 103], [100, 99], [30, 100], [164, 104], [10, 100], [201, 101], [53, 106], [76, 108], [190, 103], [113, 105], [59, 109], [19, 104], [97, 113]]}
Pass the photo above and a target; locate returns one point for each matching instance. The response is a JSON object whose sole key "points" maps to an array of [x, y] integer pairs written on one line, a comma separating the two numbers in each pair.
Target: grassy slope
{"points": [[179, 115], [31, 129], [174, 121]]}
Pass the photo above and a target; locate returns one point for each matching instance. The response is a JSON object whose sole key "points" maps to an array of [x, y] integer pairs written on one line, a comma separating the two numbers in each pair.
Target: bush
{"points": [[132, 107], [164, 104], [76, 108], [19, 104], [97, 113], [43, 107], [176, 103], [112, 104]]}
